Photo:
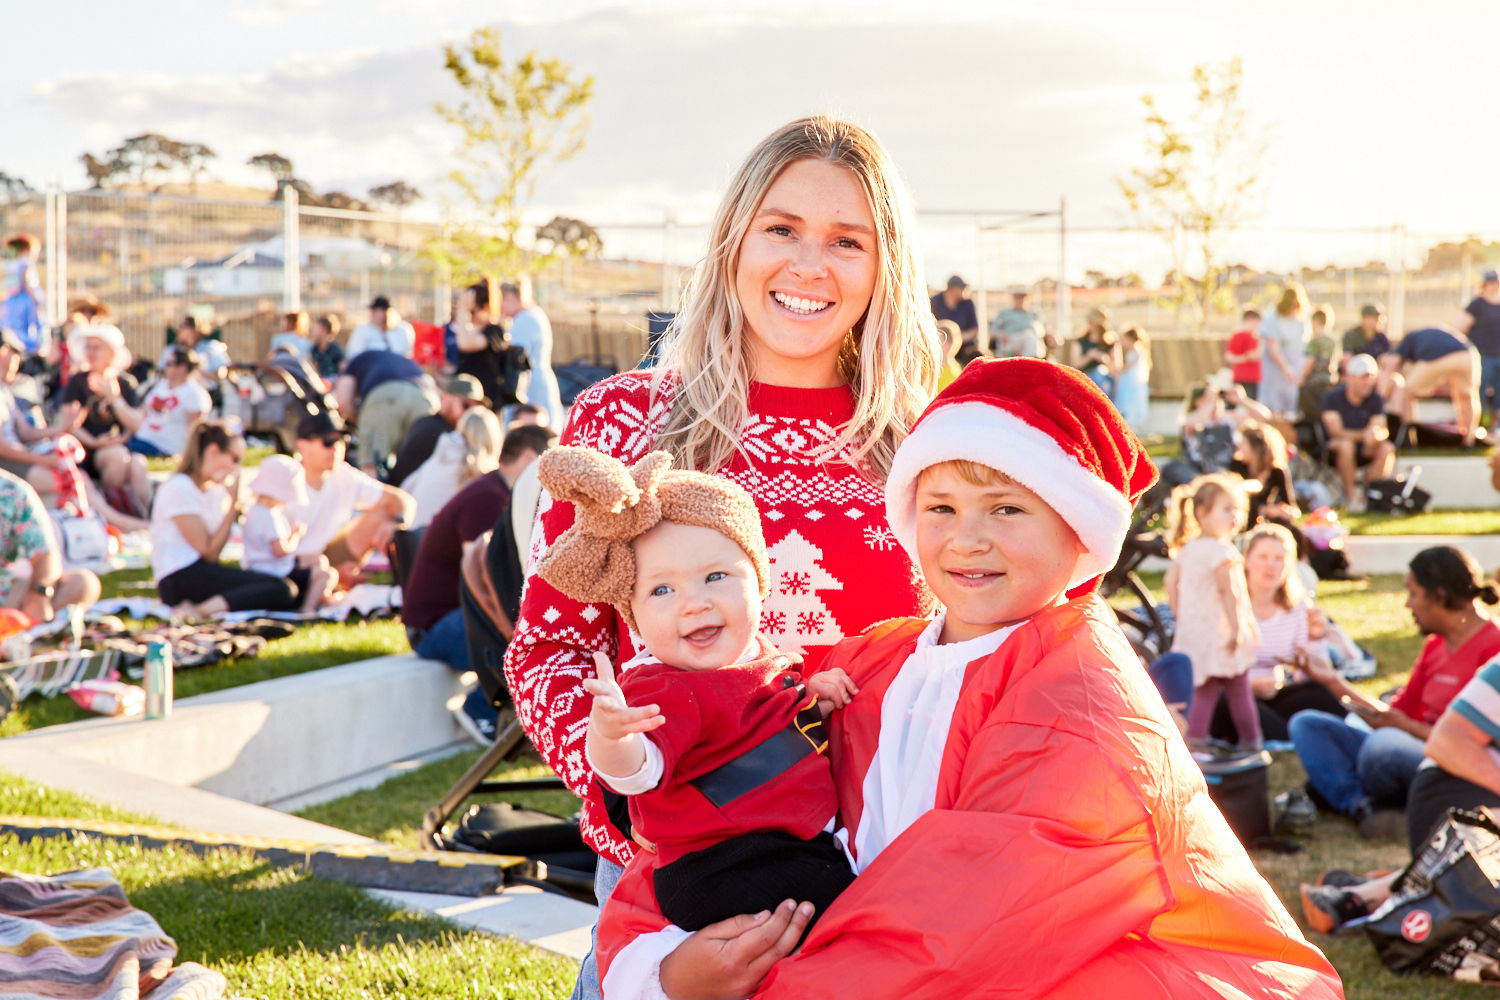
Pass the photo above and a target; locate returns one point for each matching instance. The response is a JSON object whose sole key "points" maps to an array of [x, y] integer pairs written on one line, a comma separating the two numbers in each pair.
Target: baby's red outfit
{"points": [[745, 794]]}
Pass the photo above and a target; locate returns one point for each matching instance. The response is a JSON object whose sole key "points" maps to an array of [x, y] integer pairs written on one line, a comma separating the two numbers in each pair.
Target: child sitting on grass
{"points": [[730, 788], [1025, 819], [271, 542], [1210, 602]]}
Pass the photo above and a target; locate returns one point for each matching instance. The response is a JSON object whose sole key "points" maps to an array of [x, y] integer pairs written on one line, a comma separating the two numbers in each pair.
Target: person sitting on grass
{"points": [[174, 404], [681, 557], [1365, 773], [26, 536], [107, 393], [195, 511], [1023, 816], [271, 541], [348, 514], [470, 450], [1461, 771], [326, 354], [1354, 419]]}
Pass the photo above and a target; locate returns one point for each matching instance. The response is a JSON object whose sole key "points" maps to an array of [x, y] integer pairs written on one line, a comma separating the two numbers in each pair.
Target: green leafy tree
{"points": [[396, 194], [571, 237], [147, 159], [517, 120], [1200, 183], [281, 170]]}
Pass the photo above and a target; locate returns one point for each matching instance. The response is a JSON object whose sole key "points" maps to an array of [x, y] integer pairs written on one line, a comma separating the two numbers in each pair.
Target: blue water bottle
{"points": [[158, 680]]}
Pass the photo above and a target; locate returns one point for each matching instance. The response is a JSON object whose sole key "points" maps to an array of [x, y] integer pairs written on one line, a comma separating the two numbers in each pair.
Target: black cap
{"points": [[380, 302], [318, 425], [1372, 310], [957, 282]]}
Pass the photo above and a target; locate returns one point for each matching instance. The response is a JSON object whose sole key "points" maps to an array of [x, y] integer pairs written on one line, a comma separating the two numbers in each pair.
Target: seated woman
{"points": [[1461, 771], [195, 511], [1262, 452], [1365, 773], [461, 455], [107, 394], [172, 407], [1211, 422], [1023, 819]]}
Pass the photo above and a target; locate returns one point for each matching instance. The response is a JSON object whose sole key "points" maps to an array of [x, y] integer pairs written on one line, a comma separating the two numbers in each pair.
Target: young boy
{"points": [[1242, 353], [1025, 818], [717, 743]]}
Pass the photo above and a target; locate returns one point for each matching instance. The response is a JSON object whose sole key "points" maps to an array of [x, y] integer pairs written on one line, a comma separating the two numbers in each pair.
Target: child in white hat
{"points": [[271, 541]]}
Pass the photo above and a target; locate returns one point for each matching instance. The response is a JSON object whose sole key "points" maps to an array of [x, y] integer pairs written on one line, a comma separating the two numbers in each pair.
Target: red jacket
{"points": [[1073, 850], [714, 717]]}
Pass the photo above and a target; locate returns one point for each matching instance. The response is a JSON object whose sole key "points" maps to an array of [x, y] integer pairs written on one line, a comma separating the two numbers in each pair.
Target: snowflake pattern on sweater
{"points": [[835, 567]]}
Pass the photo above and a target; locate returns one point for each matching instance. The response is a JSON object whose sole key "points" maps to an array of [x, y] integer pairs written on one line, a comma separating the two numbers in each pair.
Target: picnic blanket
{"points": [[76, 936]]}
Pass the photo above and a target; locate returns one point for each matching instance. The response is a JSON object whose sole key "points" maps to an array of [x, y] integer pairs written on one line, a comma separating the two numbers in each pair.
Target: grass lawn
{"points": [[311, 647], [279, 934], [253, 456], [1432, 522]]}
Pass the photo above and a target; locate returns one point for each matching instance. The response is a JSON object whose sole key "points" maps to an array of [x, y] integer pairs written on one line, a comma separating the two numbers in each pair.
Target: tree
{"points": [[14, 189], [396, 194], [572, 237], [280, 168], [147, 157], [517, 120], [1201, 182]]}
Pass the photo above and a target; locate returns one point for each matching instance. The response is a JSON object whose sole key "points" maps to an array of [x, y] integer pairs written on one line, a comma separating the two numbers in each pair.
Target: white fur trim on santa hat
{"points": [[987, 435]]}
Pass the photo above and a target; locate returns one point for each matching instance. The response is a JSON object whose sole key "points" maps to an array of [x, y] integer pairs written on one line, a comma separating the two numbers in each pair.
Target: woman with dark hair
{"points": [[194, 513], [1263, 451], [483, 347], [1365, 774]]}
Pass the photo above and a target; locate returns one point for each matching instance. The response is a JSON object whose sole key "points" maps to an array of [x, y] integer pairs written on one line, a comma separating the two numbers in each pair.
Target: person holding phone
{"points": [[1365, 775]]}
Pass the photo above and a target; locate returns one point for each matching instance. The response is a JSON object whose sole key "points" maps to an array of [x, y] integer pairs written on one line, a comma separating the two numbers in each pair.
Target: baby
{"points": [[731, 787], [271, 542]]}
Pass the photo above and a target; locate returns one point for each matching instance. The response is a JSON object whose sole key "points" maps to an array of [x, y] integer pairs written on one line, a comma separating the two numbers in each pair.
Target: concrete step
{"points": [[1392, 553]]}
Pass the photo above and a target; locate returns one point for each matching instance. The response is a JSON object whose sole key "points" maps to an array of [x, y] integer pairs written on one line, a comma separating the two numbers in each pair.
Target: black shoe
{"points": [[1328, 907], [1341, 878]]}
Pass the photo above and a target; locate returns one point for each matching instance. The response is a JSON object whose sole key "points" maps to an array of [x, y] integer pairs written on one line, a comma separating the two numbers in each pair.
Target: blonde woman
{"points": [[804, 351], [1283, 342], [469, 450]]}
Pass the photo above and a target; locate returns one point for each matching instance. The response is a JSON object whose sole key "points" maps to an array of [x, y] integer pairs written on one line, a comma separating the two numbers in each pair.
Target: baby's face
{"points": [[697, 599]]}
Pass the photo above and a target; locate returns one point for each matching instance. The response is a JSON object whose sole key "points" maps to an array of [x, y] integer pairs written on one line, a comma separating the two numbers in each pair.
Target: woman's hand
{"points": [[728, 960], [1391, 718], [1319, 668]]}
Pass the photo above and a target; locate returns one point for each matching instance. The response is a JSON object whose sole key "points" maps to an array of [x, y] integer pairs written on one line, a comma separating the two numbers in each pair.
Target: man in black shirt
{"points": [[1354, 417], [953, 303], [459, 394], [1481, 322]]}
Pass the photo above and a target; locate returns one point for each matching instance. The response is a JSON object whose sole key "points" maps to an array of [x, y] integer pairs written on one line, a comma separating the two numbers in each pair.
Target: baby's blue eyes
{"points": [[660, 591], [716, 577]]}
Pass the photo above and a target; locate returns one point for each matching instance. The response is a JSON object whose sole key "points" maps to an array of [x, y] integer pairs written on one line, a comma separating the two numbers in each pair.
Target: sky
{"points": [[1372, 114]]}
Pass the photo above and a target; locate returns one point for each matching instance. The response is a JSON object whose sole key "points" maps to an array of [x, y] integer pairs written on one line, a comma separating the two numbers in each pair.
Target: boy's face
{"points": [[696, 599], [993, 554]]}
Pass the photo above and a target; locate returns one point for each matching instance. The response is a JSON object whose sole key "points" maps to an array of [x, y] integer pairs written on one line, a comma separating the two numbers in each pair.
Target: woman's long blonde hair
{"points": [[890, 357], [483, 437]]}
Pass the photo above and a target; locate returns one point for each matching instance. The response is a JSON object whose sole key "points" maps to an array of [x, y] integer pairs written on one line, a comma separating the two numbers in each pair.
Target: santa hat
{"points": [[1047, 427]]}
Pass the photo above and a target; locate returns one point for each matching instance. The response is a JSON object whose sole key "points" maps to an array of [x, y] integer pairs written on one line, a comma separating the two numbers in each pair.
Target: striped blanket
{"points": [[76, 937]]}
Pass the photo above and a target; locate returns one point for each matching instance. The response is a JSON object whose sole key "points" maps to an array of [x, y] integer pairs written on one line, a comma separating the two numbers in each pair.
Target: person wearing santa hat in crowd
{"points": [[1024, 817]]}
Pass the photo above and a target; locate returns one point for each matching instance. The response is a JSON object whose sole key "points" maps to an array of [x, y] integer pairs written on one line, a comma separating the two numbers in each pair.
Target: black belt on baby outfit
{"points": [[766, 760]]}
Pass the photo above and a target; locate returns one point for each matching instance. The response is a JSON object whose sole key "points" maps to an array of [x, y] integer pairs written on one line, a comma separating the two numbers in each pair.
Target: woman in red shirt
{"points": [[804, 352], [1365, 775]]}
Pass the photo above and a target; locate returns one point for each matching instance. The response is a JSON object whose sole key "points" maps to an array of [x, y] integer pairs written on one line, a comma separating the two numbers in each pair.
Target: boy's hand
{"points": [[611, 718], [833, 687]]}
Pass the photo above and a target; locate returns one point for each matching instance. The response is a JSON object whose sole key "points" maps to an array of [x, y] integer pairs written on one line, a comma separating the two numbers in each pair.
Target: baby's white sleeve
{"points": [[647, 778], [635, 974]]}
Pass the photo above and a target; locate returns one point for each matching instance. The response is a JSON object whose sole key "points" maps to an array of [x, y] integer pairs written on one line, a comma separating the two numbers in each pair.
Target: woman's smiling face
{"points": [[806, 272]]}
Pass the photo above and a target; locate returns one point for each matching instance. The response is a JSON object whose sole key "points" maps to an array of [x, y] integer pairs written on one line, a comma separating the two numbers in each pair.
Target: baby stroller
{"points": [[558, 860], [290, 389]]}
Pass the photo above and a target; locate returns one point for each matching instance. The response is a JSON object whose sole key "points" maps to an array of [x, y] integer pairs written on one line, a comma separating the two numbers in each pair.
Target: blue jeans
{"points": [[445, 641], [1173, 675], [606, 877], [1350, 767], [1489, 381]]}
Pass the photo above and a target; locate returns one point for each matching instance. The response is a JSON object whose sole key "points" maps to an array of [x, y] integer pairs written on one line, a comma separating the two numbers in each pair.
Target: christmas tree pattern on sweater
{"points": [[793, 612]]}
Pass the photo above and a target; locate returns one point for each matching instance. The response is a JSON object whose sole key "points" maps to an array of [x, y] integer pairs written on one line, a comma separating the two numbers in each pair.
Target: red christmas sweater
{"points": [[836, 568], [729, 716]]}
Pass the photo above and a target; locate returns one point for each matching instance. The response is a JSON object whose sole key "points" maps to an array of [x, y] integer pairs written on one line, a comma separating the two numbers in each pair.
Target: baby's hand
{"points": [[1317, 625], [611, 718], [833, 688]]}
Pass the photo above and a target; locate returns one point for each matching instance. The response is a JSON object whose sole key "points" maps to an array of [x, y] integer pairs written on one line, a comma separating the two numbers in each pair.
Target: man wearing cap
{"points": [[1480, 321], [462, 392], [348, 513], [1354, 417], [386, 331], [953, 303], [1017, 332], [384, 393]]}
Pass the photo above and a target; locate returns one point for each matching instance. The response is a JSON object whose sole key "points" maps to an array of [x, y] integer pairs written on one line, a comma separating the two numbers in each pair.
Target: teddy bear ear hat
{"points": [[1047, 427], [593, 560]]}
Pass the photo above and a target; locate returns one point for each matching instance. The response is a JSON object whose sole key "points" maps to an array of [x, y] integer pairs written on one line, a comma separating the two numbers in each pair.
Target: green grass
{"points": [[311, 647], [276, 933], [393, 812], [253, 457], [1432, 522]]}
